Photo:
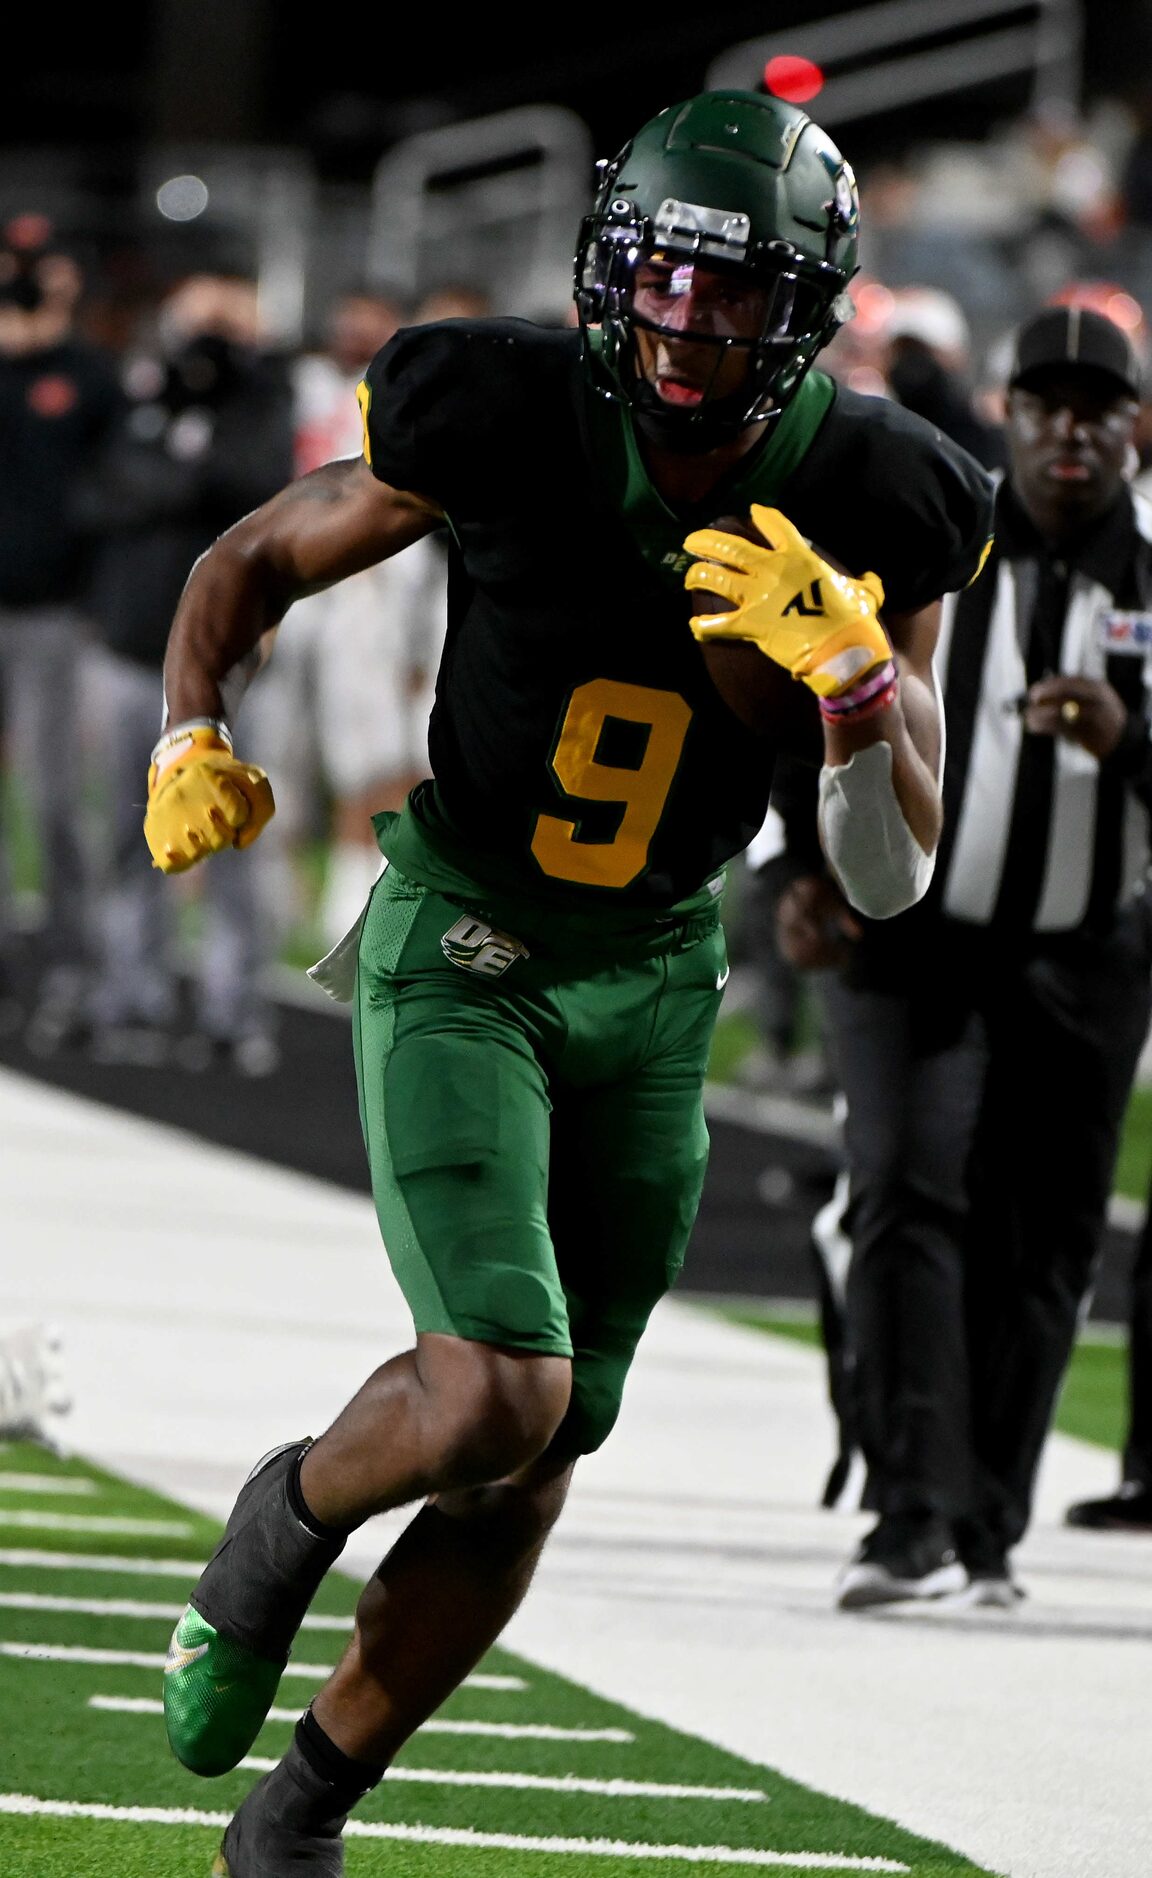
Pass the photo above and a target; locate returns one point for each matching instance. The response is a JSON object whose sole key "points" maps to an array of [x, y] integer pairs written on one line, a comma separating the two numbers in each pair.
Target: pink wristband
{"points": [[873, 708], [847, 703]]}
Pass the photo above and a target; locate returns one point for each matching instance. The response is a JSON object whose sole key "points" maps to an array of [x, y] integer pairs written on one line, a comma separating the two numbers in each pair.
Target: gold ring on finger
{"points": [[1070, 710]]}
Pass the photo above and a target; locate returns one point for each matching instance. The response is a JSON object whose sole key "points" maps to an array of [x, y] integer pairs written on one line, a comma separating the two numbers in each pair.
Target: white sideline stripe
{"points": [[26, 1806], [152, 1659], [98, 1522], [545, 1783], [48, 1483], [500, 1731], [188, 1569]]}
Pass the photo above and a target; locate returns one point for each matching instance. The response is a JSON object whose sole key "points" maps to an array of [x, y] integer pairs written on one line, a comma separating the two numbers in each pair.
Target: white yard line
{"points": [[23, 1805], [497, 1731], [89, 1607], [127, 1659], [501, 1685], [528, 1731], [49, 1483], [691, 1575], [98, 1522], [25, 1556], [546, 1783], [149, 1659], [133, 1607]]}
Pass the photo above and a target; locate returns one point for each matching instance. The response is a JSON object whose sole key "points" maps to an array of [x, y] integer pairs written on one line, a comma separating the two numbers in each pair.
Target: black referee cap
{"points": [[1074, 335]]}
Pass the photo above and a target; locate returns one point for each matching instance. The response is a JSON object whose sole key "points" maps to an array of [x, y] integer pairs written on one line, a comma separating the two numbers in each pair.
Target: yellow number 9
{"points": [[642, 791]]}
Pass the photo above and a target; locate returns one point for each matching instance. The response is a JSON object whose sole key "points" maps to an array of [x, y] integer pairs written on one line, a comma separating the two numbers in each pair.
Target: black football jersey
{"points": [[578, 743]]}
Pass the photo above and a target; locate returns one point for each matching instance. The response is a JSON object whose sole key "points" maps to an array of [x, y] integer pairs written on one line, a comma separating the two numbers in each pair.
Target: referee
{"points": [[986, 1041]]}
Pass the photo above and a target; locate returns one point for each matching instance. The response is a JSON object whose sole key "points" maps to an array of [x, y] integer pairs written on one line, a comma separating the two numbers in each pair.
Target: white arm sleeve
{"points": [[880, 865]]}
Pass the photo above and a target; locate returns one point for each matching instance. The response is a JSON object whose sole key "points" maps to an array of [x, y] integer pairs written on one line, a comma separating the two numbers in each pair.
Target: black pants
{"points": [[985, 1100], [1138, 1447]]}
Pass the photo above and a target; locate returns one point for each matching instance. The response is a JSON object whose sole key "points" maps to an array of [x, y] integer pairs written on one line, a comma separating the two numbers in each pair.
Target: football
{"points": [[755, 689]]}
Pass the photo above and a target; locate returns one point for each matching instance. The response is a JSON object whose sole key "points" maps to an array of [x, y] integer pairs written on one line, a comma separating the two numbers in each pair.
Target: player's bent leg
{"points": [[449, 1414], [468, 1413], [230, 1646], [438, 1601]]}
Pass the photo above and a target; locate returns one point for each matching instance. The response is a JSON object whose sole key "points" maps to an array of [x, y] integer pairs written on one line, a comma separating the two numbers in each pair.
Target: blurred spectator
{"points": [[58, 400], [785, 1057], [455, 300], [208, 436], [857, 356], [359, 322], [987, 1040], [927, 368], [355, 666]]}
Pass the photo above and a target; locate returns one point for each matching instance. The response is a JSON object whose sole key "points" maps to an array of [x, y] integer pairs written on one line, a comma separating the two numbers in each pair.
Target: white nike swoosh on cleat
{"points": [[723, 977], [181, 1658]]}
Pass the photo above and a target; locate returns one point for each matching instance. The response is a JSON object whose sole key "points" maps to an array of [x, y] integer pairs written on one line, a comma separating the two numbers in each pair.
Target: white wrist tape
{"points": [[178, 740], [873, 853]]}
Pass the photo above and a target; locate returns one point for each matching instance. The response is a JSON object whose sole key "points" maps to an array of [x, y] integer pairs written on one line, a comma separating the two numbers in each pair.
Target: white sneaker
{"points": [[997, 1592], [906, 1557], [33, 1391]]}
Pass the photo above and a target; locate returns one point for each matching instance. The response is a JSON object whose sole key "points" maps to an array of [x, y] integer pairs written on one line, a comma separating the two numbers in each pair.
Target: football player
{"points": [[540, 965]]}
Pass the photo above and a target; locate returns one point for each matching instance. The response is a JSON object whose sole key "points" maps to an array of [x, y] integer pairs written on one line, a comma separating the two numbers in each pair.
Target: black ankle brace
{"points": [[302, 1509], [347, 1780]]}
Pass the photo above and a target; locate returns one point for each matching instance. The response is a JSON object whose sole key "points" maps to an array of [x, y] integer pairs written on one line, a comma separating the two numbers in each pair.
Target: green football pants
{"points": [[535, 1132]]}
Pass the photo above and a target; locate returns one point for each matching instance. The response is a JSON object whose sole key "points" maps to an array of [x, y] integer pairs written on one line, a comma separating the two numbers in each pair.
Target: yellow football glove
{"points": [[201, 798], [820, 625]]}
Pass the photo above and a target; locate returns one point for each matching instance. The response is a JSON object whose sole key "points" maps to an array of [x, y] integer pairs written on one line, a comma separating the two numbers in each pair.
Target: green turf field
{"points": [[1093, 1402], [522, 1773]]}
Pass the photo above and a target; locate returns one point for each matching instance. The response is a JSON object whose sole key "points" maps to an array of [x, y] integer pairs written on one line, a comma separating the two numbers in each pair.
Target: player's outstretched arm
{"points": [[332, 523], [880, 809]]}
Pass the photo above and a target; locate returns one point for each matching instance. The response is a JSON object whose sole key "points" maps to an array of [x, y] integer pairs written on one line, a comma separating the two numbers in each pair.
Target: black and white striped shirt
{"points": [[1039, 835]]}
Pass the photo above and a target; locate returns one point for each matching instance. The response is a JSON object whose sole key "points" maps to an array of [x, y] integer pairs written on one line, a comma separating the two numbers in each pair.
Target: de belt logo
{"points": [[475, 947]]}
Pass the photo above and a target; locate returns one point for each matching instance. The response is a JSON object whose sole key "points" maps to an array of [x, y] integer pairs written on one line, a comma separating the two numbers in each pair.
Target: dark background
{"points": [[150, 72]]}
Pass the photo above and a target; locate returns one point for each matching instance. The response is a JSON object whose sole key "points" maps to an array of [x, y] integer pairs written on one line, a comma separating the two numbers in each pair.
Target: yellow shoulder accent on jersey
{"points": [[364, 400], [984, 553]]}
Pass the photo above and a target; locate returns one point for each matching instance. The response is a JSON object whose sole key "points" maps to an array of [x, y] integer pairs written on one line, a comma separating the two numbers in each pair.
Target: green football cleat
{"points": [[216, 1696], [229, 1650]]}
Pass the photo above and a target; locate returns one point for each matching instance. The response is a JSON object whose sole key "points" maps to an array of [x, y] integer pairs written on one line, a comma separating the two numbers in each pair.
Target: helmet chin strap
{"points": [[707, 426], [692, 433]]}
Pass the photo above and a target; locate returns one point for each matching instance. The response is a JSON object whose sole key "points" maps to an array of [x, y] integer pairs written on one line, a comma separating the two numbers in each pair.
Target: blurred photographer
{"points": [[58, 401], [207, 436]]}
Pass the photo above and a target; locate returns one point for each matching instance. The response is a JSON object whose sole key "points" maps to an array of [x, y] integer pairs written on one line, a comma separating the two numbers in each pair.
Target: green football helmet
{"points": [[728, 222]]}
